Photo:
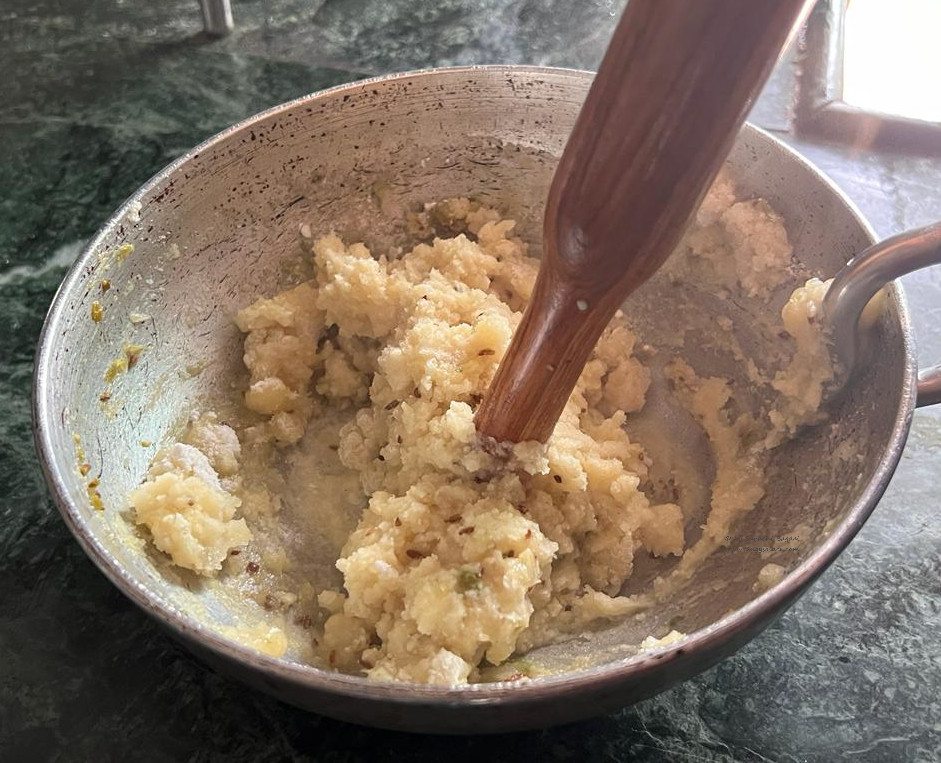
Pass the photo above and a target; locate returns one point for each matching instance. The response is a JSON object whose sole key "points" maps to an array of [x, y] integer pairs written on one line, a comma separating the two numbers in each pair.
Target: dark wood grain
{"points": [[670, 96]]}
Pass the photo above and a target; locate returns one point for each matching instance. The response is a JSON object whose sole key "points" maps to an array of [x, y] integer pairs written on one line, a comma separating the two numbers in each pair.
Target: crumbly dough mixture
{"points": [[188, 501], [459, 552], [462, 558]]}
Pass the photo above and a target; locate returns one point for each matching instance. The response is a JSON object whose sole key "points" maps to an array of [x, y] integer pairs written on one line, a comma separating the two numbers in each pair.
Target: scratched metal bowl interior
{"points": [[220, 228]]}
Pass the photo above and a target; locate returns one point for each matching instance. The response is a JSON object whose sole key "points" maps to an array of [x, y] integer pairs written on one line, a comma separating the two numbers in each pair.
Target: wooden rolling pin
{"points": [[663, 111]]}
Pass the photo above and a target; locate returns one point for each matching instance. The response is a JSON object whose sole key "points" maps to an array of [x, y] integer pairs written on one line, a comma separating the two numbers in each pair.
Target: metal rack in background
{"points": [[217, 17]]}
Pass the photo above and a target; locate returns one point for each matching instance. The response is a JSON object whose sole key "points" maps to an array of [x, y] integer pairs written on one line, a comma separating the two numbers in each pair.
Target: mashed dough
{"points": [[741, 244], [462, 558], [768, 577], [186, 507], [459, 554]]}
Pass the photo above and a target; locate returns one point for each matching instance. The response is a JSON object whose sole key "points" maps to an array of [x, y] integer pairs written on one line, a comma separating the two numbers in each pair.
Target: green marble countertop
{"points": [[97, 95]]}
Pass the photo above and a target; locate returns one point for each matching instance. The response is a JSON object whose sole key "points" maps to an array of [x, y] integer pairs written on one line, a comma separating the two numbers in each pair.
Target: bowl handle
{"points": [[860, 280], [929, 386]]}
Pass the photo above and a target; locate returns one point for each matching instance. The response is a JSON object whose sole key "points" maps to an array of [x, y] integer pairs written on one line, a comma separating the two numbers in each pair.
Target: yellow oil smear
{"points": [[105, 259], [123, 363], [84, 468], [512, 670], [79, 449], [94, 496], [265, 638], [115, 368], [193, 369], [132, 352]]}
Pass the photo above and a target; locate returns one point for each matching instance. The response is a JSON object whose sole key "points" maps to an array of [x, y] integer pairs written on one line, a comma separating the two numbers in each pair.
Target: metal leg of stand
{"points": [[217, 17]]}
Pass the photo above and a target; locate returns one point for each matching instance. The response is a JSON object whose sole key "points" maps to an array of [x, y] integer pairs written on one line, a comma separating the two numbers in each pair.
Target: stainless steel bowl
{"points": [[212, 232]]}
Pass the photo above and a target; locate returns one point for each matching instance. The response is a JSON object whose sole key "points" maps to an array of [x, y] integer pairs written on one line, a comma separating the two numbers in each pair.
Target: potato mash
{"points": [[463, 556]]}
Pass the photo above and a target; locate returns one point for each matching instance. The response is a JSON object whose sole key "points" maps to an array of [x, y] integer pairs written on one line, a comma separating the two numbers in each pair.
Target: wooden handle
{"points": [[670, 96]]}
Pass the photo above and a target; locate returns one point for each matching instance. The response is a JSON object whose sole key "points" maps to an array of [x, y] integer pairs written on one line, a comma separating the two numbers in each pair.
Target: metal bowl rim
{"points": [[760, 609]]}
